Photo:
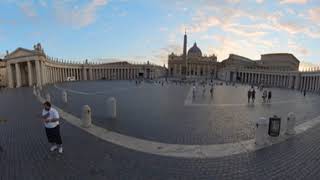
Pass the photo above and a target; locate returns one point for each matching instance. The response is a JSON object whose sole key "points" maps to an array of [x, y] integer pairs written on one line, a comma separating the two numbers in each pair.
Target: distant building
{"points": [[269, 62], [3, 81], [24, 67], [193, 63]]}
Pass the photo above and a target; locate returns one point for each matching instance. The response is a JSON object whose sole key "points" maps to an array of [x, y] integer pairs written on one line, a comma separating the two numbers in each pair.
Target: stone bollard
{"points": [[38, 92], [86, 116], [34, 90], [291, 122], [261, 131], [64, 97], [48, 97], [112, 108]]}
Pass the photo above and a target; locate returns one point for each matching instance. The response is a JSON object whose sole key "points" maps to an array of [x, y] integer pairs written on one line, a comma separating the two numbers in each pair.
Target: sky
{"points": [[149, 30]]}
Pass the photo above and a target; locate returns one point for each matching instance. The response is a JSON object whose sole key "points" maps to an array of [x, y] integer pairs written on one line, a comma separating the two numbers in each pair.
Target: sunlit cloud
{"points": [[78, 16], [293, 1]]}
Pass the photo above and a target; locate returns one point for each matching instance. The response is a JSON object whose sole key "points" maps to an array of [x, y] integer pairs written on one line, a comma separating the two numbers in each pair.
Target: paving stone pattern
{"points": [[157, 113], [26, 155]]}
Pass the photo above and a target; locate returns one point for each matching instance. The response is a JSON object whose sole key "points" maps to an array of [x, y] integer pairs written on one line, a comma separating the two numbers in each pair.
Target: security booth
{"points": [[274, 126]]}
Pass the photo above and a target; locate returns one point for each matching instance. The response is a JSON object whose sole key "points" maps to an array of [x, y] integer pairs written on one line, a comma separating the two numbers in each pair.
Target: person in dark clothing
{"points": [[304, 93], [249, 96], [269, 96], [50, 118], [211, 91], [253, 96]]}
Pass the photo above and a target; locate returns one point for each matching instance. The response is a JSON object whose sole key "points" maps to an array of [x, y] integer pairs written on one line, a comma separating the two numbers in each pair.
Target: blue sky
{"points": [[144, 30]]}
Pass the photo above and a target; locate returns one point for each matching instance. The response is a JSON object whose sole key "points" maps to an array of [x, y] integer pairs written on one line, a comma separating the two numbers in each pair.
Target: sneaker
{"points": [[53, 148], [60, 150]]}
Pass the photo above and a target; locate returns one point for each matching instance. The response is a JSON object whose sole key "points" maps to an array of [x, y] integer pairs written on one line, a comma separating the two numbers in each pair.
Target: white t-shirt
{"points": [[53, 114]]}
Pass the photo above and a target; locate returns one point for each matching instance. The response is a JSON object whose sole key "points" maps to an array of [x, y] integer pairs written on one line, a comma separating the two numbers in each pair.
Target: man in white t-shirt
{"points": [[50, 117]]}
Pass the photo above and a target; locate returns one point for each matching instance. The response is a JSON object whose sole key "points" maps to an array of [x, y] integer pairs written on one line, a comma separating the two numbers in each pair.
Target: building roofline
{"points": [[290, 54]]}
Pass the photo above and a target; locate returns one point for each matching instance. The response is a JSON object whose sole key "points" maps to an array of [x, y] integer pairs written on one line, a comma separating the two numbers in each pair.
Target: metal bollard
{"points": [[291, 122], [86, 116], [48, 97], [261, 131], [112, 108], [64, 97]]}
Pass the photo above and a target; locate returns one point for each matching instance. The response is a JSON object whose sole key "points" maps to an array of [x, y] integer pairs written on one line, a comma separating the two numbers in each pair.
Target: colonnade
{"points": [[270, 79], [309, 81], [206, 70], [60, 74], [41, 71]]}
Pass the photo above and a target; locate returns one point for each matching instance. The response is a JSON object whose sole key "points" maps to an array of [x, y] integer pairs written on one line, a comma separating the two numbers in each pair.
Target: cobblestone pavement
{"points": [[157, 113], [26, 155]]}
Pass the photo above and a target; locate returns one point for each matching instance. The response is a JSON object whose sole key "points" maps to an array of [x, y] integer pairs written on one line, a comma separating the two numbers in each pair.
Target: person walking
{"points": [[194, 91], [304, 93], [269, 96], [211, 91], [249, 95], [50, 117], [253, 96], [264, 96]]}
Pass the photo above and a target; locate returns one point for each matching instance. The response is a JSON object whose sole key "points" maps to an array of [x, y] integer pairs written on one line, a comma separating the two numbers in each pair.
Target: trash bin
{"points": [[274, 126], [261, 131]]}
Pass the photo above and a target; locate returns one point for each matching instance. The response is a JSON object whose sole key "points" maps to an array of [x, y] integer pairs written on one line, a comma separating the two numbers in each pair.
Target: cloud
{"points": [[314, 15], [163, 29], [28, 9], [78, 16], [259, 1], [296, 48], [293, 1], [43, 3]]}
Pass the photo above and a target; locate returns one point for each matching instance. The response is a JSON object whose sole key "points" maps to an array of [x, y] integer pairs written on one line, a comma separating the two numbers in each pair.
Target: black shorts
{"points": [[53, 135]]}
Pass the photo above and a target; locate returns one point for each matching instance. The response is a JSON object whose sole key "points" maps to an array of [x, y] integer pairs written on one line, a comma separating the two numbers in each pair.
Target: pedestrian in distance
{"points": [[304, 93], [249, 95], [194, 91], [269, 96], [264, 96], [50, 118], [253, 96], [204, 90]]}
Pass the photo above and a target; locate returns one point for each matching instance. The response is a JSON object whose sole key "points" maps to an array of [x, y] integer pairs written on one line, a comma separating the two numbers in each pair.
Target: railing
{"points": [[311, 69], [97, 61]]}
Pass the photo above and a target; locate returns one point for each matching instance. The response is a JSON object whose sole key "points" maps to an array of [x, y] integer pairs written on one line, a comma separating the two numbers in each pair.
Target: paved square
{"points": [[159, 113]]}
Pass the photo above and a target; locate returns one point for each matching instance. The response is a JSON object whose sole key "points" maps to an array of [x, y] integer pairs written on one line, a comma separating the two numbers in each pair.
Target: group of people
{"points": [[203, 90], [266, 95]]}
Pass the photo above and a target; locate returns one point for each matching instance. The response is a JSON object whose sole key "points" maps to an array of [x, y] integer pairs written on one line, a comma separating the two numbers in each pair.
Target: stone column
{"points": [[84, 72], [10, 76], [90, 74], [318, 83], [30, 80], [304, 83], [18, 75], [308, 83], [42, 73], [297, 83]]}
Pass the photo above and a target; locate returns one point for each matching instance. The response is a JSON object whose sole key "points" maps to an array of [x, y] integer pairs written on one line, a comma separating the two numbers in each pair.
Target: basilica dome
{"points": [[194, 51]]}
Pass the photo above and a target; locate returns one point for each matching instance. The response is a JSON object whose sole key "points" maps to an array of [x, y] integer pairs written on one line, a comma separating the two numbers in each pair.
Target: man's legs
{"points": [[58, 139], [50, 136], [53, 135]]}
